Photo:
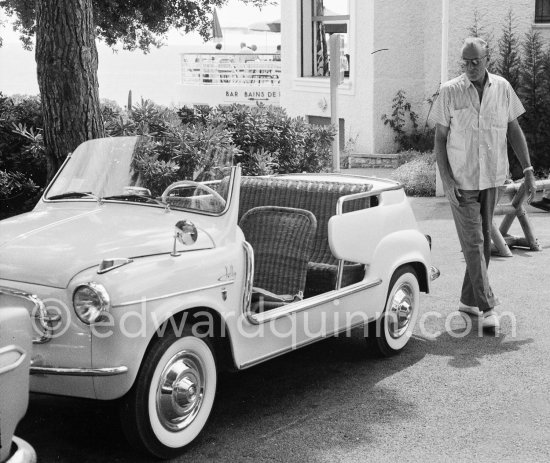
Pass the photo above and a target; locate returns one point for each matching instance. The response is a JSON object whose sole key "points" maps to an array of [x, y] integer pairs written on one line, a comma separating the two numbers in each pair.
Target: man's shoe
{"points": [[469, 309], [490, 320]]}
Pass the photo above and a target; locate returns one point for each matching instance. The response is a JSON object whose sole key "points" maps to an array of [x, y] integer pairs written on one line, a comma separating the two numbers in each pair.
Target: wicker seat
{"points": [[320, 198], [282, 240]]}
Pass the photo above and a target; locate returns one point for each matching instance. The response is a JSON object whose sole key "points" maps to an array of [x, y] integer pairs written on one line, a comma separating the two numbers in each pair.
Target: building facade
{"points": [[391, 45]]}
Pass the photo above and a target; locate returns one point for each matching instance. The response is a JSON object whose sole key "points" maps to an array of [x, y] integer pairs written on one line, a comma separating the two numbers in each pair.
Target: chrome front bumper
{"points": [[108, 371]]}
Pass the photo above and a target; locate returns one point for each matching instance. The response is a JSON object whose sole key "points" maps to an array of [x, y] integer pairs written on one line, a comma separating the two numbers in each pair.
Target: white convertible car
{"points": [[144, 295]]}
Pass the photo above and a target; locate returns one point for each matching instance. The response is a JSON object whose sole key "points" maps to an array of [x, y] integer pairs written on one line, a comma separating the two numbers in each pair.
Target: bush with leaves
{"points": [[21, 142], [413, 138], [262, 163], [17, 193], [291, 143], [176, 151], [418, 175], [194, 114], [22, 160], [145, 118], [263, 139]]}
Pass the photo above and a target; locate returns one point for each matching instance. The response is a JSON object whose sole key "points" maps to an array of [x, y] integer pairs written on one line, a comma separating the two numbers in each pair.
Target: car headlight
{"points": [[90, 302]]}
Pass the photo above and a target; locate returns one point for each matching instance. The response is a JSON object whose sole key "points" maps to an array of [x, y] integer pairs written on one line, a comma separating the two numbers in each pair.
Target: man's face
{"points": [[474, 59]]}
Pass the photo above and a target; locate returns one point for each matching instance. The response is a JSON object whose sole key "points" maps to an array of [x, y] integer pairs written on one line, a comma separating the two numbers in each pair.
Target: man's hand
{"points": [[451, 191], [517, 140], [530, 185], [440, 148]]}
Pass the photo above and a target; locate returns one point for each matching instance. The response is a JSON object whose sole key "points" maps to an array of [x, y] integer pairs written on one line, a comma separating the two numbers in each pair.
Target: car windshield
{"points": [[127, 169]]}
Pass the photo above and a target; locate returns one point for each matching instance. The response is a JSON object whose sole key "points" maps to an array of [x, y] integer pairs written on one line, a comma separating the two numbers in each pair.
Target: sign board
{"points": [[214, 95], [245, 95]]}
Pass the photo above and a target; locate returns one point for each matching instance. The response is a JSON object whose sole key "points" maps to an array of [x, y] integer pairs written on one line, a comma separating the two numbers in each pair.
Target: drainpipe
{"points": [[445, 41], [444, 70]]}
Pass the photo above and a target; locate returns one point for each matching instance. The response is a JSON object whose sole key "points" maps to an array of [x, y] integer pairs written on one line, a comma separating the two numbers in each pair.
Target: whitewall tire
{"points": [[389, 334], [173, 395]]}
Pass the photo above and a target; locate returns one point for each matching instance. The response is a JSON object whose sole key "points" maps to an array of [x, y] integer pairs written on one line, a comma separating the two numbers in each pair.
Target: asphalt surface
{"points": [[454, 394]]}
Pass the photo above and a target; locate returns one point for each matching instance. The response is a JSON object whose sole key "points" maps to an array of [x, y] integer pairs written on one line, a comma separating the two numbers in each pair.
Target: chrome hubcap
{"points": [[180, 391], [401, 311]]}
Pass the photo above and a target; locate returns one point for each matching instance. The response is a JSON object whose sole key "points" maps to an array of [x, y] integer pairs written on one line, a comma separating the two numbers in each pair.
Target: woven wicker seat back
{"points": [[282, 240], [320, 198]]}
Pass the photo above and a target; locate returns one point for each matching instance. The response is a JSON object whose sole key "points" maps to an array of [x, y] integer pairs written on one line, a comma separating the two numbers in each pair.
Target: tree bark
{"points": [[66, 58]]}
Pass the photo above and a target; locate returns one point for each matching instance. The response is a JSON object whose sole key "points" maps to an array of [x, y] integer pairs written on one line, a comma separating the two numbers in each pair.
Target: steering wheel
{"points": [[198, 186]]}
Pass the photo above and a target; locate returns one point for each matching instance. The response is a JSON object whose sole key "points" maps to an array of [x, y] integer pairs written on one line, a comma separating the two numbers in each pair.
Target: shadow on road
{"points": [[465, 343]]}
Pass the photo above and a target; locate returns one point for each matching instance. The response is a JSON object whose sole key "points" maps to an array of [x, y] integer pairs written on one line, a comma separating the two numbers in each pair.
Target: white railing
{"points": [[245, 69]]}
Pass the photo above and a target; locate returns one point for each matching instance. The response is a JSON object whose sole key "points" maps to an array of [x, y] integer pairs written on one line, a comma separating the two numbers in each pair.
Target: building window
{"points": [[542, 11], [327, 17]]}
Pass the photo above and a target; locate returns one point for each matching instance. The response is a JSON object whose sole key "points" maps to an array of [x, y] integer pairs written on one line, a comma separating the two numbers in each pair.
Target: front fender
{"points": [[126, 341], [137, 317]]}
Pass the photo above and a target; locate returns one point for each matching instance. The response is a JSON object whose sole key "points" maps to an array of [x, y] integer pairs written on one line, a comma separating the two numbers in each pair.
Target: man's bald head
{"points": [[475, 55], [474, 47]]}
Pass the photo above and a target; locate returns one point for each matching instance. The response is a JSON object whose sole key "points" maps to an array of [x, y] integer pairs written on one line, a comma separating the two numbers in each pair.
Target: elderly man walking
{"points": [[475, 114]]}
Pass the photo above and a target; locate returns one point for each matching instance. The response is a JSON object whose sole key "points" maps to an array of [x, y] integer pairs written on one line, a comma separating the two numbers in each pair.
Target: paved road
{"points": [[452, 395]]}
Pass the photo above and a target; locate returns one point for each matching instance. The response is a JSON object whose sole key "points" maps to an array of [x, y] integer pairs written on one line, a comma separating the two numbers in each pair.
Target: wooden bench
{"points": [[511, 206], [320, 198]]}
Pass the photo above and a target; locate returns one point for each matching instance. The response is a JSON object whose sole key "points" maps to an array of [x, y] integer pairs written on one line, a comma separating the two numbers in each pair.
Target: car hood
{"points": [[49, 247]]}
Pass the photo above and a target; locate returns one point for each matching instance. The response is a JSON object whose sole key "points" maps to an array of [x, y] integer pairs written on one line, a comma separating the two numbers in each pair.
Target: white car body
{"points": [[48, 253]]}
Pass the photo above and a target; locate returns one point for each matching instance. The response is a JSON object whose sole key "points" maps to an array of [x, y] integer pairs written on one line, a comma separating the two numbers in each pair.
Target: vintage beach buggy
{"points": [[144, 295]]}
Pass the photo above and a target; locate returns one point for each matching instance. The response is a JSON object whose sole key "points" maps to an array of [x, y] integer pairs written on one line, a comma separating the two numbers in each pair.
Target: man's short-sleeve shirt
{"points": [[476, 144]]}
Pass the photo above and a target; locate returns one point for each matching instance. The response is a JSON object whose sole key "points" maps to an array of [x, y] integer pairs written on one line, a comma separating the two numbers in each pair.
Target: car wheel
{"points": [[390, 333], [172, 396]]}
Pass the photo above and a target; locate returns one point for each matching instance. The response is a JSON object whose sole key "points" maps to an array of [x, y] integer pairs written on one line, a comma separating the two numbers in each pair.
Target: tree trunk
{"points": [[66, 58]]}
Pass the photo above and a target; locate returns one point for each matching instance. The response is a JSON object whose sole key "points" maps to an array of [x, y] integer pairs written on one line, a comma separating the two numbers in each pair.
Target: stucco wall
{"points": [[411, 33], [399, 27]]}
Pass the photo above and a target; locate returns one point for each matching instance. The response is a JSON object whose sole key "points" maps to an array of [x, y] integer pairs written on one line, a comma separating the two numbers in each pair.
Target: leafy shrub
{"points": [[21, 143], [317, 152], [261, 163], [263, 139], [190, 152], [418, 174], [293, 144], [413, 138], [156, 173], [17, 193], [194, 114], [406, 156], [109, 108]]}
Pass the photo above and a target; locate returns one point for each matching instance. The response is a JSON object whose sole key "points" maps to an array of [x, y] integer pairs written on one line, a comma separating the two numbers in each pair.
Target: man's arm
{"points": [[440, 147], [517, 140]]}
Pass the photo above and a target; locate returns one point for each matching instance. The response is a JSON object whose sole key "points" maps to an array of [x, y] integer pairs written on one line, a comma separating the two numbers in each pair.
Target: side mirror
{"points": [[186, 233]]}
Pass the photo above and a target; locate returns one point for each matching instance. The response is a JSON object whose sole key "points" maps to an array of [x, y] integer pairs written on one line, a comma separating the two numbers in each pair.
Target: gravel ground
{"points": [[454, 394]]}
